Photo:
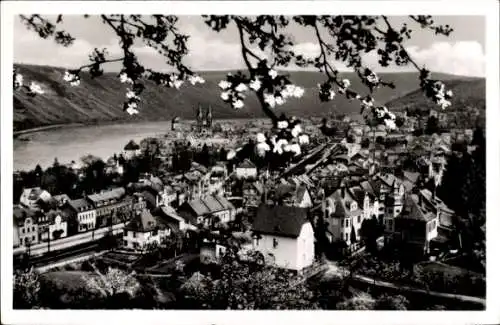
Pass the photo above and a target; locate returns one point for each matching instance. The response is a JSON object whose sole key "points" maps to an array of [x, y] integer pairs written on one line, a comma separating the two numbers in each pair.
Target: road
{"points": [[334, 270]]}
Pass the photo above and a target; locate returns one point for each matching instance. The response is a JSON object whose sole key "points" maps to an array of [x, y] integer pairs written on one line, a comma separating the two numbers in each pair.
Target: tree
{"points": [[242, 285], [365, 143], [432, 126], [360, 301], [266, 47], [26, 289], [112, 283], [387, 302]]}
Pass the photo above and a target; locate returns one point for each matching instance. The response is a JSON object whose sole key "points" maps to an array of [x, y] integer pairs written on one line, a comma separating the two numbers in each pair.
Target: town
{"points": [[400, 212]]}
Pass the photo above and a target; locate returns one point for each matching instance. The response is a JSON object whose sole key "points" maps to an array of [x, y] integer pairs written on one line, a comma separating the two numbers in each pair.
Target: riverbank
{"points": [[46, 128]]}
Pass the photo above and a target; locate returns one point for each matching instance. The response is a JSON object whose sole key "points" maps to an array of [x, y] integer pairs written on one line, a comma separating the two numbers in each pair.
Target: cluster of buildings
{"points": [[339, 182]]}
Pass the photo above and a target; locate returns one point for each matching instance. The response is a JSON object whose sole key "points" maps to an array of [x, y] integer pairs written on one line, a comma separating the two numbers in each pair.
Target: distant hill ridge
{"points": [[100, 100]]}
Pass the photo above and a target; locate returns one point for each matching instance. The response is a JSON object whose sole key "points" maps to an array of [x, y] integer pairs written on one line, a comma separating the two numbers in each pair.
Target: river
{"points": [[71, 143]]}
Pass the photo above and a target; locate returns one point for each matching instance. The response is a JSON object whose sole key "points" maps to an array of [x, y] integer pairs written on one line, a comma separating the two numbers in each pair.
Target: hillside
{"points": [[100, 100], [466, 94]]}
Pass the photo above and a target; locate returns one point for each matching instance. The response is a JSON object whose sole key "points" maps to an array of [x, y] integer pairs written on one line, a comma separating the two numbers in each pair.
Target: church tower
{"points": [[209, 116]]}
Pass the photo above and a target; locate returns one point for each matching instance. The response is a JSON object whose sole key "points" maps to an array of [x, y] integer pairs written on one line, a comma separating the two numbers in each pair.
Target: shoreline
{"points": [[45, 128]]}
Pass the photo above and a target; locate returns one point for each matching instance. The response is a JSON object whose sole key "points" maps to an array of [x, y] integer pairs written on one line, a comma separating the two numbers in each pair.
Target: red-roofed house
{"points": [[284, 235]]}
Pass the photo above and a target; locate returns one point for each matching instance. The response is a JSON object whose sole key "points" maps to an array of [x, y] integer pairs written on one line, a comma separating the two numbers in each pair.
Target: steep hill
{"points": [[100, 100]]}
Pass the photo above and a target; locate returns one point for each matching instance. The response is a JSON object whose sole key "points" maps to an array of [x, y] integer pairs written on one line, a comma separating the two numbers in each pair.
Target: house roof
{"points": [[149, 197], [246, 164], [81, 204], [210, 204], [52, 214], [341, 204], [61, 198], [144, 222], [131, 145], [115, 193], [33, 193], [415, 210], [283, 221], [20, 214]]}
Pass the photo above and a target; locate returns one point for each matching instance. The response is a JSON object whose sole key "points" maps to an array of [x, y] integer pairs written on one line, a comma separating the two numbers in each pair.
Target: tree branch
{"points": [[260, 93]]}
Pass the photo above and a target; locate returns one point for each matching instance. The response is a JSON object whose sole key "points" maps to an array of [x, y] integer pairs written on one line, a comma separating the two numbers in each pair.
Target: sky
{"points": [[462, 53]]}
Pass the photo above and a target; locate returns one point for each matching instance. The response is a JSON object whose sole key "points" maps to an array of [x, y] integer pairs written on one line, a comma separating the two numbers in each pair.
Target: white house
{"points": [[144, 229], [131, 149], [85, 214], [57, 226], [25, 226], [284, 235], [246, 170], [31, 196]]}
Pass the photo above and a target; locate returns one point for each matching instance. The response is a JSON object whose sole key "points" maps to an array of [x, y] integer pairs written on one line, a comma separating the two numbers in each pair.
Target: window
{"points": [[342, 223], [133, 234], [125, 233], [33, 237], [390, 223], [346, 236], [359, 219], [275, 243], [22, 230], [347, 223]]}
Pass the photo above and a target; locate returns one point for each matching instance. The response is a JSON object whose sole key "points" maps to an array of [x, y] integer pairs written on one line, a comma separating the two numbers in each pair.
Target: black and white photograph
{"points": [[223, 156]]}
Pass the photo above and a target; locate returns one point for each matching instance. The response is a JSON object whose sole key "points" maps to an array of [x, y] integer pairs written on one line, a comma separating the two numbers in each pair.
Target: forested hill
{"points": [[100, 100]]}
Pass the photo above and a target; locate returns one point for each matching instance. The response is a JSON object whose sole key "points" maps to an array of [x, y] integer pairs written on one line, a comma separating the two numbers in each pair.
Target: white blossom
{"points": [[262, 147], [331, 94], [261, 137], [270, 100], [224, 95], [279, 146], [241, 87], [132, 108], [131, 93], [303, 139], [196, 79], [36, 89], [295, 148], [224, 84], [18, 80], [298, 92], [297, 129], [368, 102], [449, 93], [238, 104], [279, 100], [273, 73], [444, 103], [255, 84], [177, 83], [231, 154], [372, 78], [282, 124], [124, 78], [390, 124], [75, 82], [346, 83]]}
